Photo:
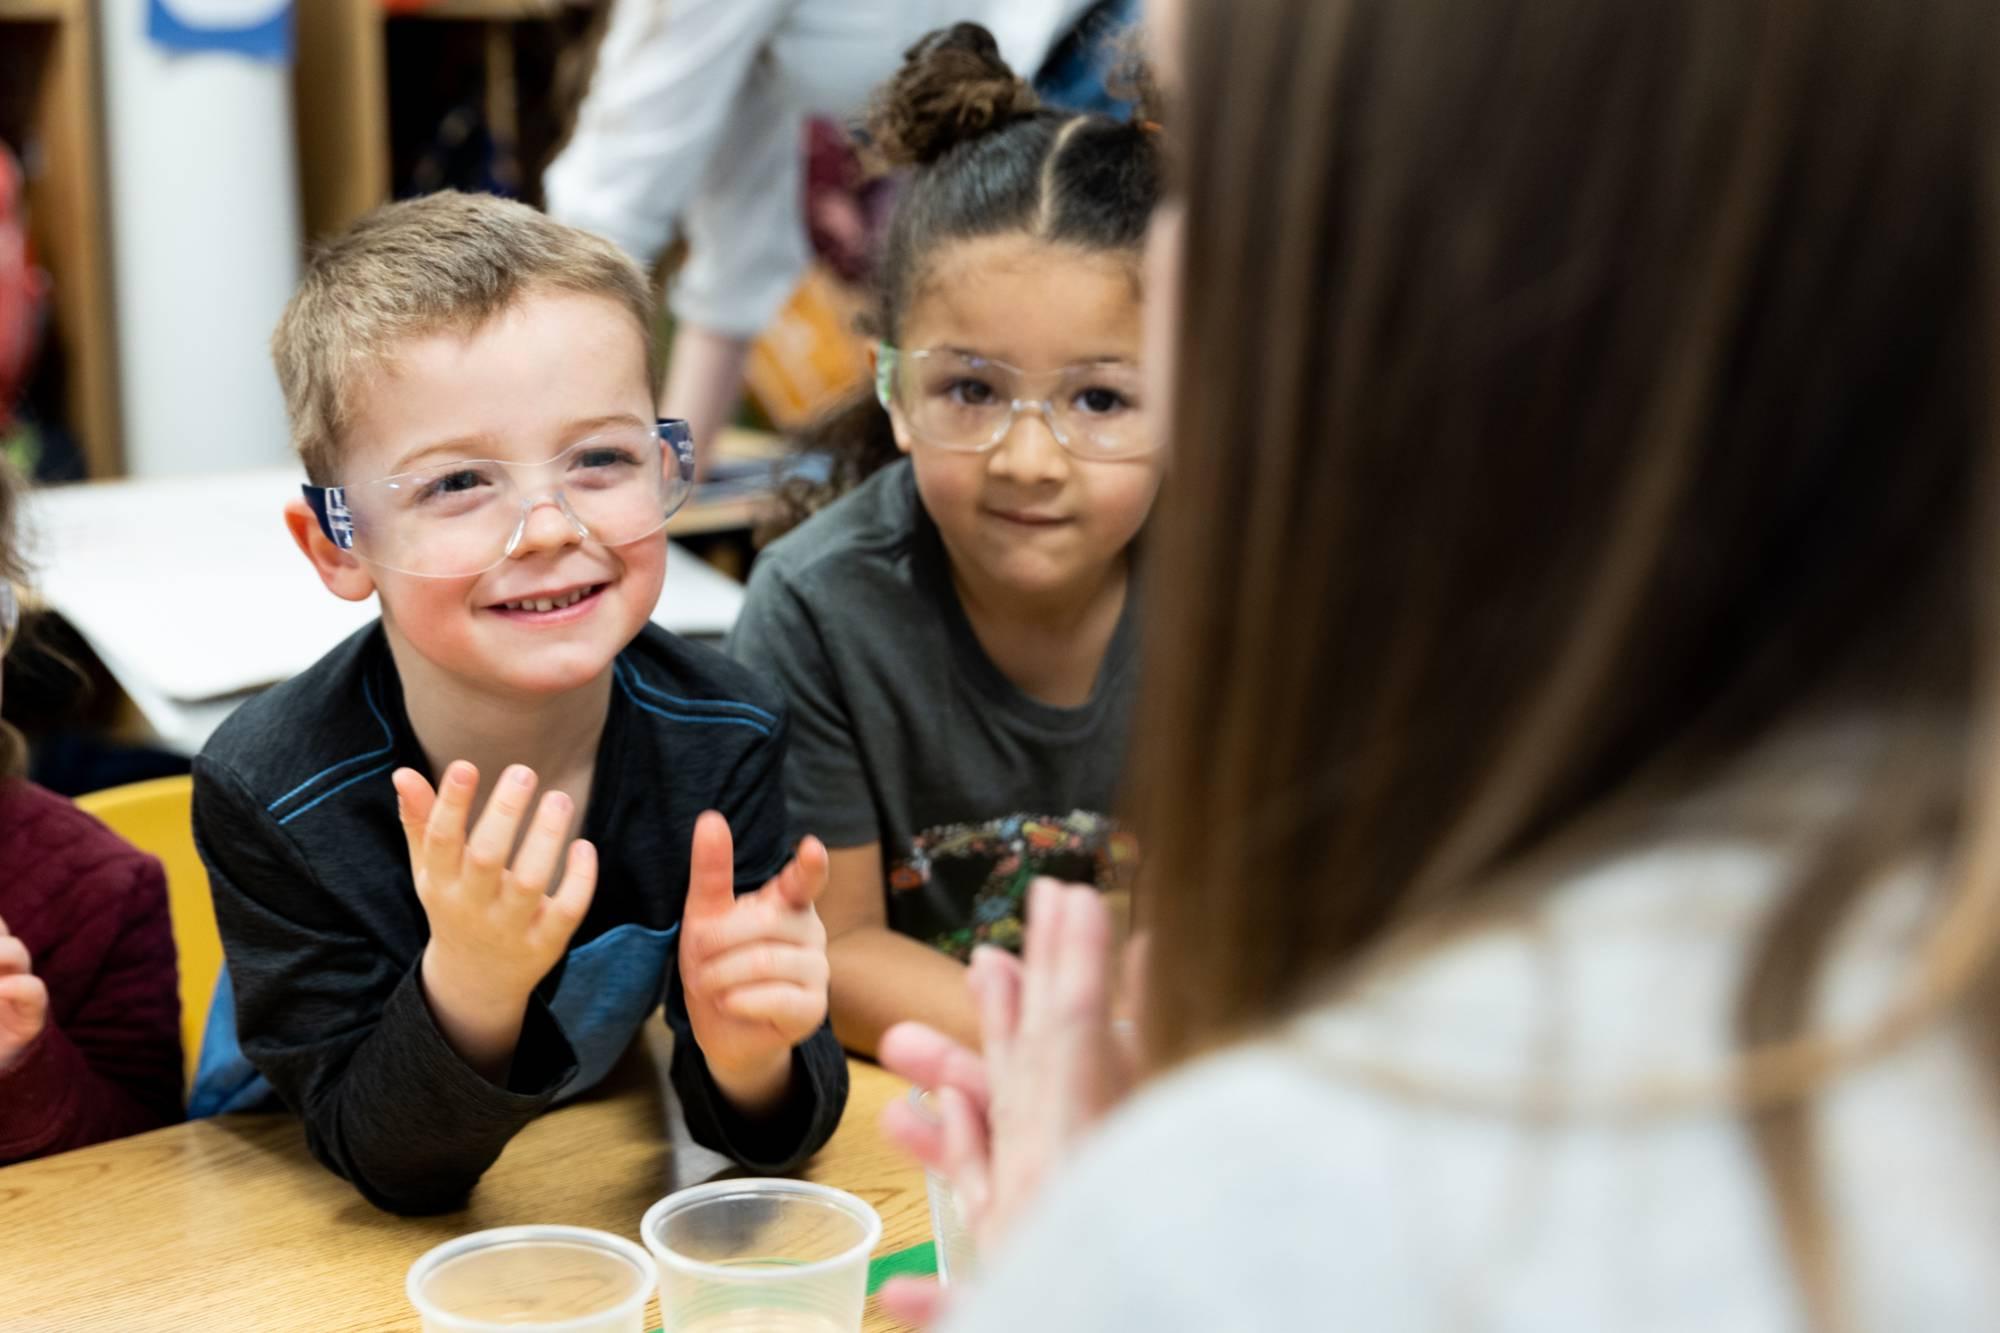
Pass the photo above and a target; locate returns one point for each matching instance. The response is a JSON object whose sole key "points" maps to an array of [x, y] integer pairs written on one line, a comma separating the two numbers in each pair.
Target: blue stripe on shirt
{"points": [[627, 680], [388, 744]]}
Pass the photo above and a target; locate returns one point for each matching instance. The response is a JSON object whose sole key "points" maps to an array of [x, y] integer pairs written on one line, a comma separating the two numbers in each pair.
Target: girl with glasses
{"points": [[956, 631]]}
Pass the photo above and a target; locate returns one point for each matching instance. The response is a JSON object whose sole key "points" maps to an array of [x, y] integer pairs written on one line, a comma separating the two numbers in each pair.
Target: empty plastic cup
{"points": [[547, 1279], [762, 1256], [956, 1259]]}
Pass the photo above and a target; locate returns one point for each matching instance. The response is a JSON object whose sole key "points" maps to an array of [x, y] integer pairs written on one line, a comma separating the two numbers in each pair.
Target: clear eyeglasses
{"points": [[957, 401], [465, 516]]}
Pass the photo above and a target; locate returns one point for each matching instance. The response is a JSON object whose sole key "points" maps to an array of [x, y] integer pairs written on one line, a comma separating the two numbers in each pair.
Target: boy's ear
{"points": [[343, 575]]}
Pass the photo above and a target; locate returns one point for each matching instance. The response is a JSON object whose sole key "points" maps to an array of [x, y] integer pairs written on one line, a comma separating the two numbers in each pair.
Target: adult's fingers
{"points": [[14, 959], [917, 1132], [998, 981], [917, 1301], [1128, 1009], [930, 1059], [1083, 959], [1131, 1002], [1040, 946], [967, 1155]]}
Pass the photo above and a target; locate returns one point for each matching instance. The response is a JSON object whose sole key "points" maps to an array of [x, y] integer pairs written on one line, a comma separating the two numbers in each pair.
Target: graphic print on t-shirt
{"points": [[963, 885]]}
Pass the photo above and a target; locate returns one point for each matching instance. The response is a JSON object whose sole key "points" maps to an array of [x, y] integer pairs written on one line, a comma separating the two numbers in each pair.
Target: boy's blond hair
{"points": [[446, 261]]}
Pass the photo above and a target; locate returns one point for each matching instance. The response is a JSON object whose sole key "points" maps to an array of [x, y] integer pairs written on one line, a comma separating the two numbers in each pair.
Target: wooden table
{"points": [[229, 1224]]}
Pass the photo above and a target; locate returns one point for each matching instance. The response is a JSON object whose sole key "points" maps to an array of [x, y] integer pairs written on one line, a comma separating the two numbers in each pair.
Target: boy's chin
{"points": [[554, 669]]}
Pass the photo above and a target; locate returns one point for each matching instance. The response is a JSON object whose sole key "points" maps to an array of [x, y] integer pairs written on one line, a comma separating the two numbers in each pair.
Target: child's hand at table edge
{"points": [[753, 968]]}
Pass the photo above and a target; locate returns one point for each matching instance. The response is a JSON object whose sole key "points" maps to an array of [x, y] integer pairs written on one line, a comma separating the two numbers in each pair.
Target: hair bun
{"points": [[953, 87]]}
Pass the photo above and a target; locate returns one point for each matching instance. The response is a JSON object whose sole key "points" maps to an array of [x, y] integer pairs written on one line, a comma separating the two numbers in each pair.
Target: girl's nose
{"points": [[1029, 453]]}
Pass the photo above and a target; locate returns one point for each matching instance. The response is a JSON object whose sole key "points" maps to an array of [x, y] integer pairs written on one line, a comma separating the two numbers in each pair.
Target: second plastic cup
{"points": [[956, 1259], [545, 1279], [762, 1256]]}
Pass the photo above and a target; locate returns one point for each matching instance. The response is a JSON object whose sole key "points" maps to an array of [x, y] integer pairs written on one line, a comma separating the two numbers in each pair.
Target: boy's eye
{"points": [[452, 483], [1100, 401], [603, 466]]}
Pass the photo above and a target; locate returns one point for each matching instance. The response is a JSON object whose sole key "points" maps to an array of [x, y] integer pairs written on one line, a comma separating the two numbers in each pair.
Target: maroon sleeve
{"points": [[109, 1062]]}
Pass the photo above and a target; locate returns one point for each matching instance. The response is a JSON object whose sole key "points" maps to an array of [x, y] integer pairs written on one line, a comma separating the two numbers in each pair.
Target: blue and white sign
{"points": [[260, 29]]}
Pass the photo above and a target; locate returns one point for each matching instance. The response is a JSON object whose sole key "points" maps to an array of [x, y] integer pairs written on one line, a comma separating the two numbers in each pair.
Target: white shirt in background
{"points": [[1272, 1188], [696, 114]]}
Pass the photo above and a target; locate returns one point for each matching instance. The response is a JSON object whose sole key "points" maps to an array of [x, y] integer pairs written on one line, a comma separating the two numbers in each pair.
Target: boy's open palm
{"points": [[754, 968], [496, 929], [24, 999]]}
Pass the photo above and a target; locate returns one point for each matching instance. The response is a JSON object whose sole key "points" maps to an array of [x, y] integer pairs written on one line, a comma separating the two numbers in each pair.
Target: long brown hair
{"points": [[1571, 392]]}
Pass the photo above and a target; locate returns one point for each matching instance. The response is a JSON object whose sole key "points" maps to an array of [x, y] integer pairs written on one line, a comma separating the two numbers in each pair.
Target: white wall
{"points": [[204, 215]]}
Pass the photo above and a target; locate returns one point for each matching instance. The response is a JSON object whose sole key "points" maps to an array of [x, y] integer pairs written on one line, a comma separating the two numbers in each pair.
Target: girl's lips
{"points": [[1028, 520]]}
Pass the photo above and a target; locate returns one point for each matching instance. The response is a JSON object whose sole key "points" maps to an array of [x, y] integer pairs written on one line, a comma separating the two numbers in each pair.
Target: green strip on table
{"points": [[917, 1261]]}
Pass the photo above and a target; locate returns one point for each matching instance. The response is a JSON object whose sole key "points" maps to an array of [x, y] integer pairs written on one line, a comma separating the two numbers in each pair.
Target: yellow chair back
{"points": [[157, 817]]}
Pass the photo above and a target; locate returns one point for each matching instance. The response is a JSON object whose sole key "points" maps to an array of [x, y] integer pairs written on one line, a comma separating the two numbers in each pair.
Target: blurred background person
{"points": [[694, 126]]}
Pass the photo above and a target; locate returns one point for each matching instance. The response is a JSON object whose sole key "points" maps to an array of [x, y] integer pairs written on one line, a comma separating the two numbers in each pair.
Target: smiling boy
{"points": [[422, 955]]}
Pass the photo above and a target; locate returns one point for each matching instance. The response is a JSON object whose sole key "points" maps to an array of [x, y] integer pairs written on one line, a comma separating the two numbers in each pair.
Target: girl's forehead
{"points": [[1027, 302]]}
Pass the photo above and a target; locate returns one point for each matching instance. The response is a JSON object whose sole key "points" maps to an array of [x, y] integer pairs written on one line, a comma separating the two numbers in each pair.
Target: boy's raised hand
{"points": [[496, 930], [753, 968]]}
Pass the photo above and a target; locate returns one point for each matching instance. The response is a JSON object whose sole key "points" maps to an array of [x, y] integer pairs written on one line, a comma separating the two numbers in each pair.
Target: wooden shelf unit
{"points": [[343, 94], [491, 11], [36, 11], [51, 114]]}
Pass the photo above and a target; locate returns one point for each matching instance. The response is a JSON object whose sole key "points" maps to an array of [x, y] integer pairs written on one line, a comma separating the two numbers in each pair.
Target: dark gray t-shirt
{"points": [[905, 733]]}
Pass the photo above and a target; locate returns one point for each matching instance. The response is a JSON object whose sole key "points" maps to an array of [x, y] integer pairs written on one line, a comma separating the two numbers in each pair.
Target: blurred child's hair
{"points": [[987, 159], [446, 261], [13, 571]]}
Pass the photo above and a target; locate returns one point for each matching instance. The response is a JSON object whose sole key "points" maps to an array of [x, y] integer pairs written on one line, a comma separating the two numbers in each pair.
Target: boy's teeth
{"points": [[549, 603]]}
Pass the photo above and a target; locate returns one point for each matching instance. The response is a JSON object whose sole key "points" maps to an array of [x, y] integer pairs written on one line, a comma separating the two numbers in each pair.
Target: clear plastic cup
{"points": [[548, 1279], [957, 1260], [762, 1256]]}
